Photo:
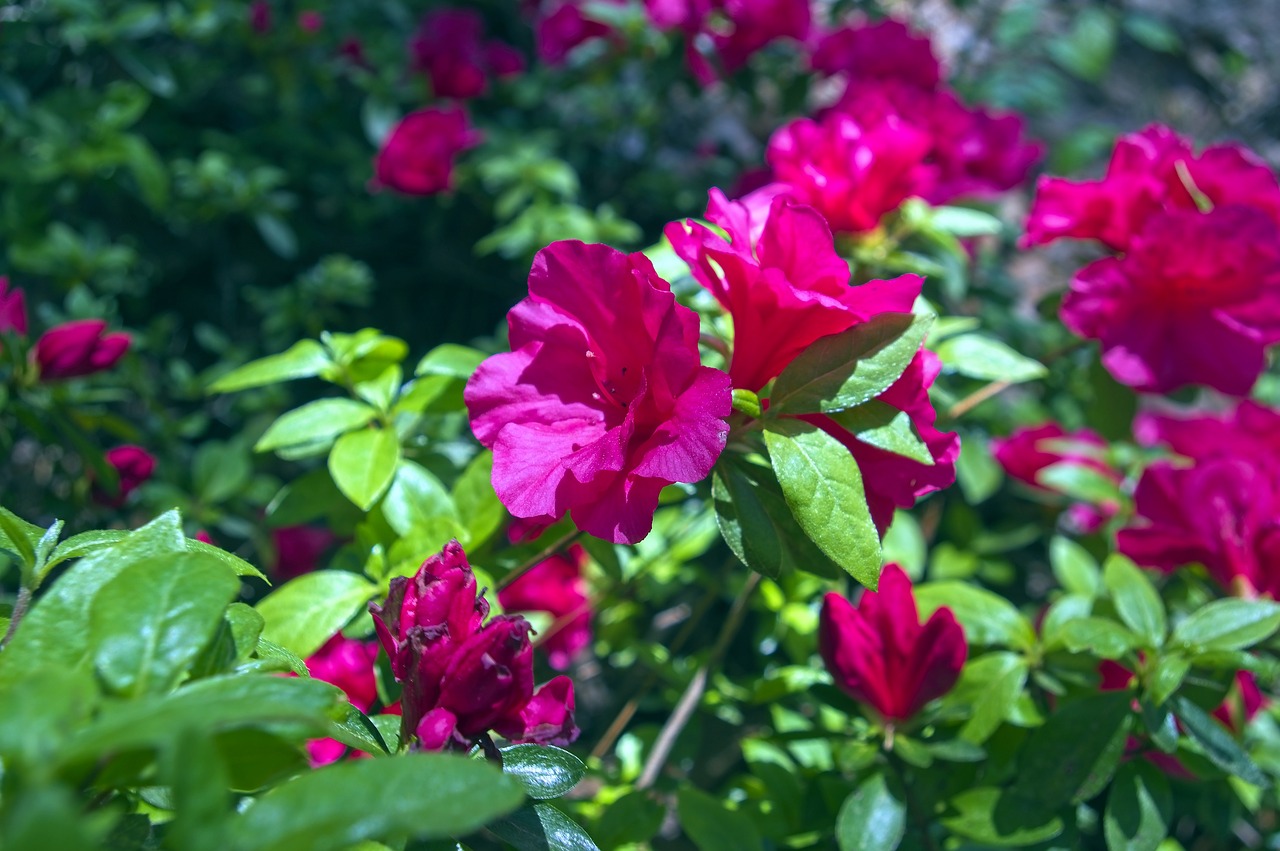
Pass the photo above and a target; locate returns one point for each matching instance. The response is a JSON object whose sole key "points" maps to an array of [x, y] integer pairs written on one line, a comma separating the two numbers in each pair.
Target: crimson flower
{"points": [[13, 309], [299, 548], [1248, 430], [462, 676], [555, 586], [347, 664], [602, 401], [417, 157], [1029, 450], [883, 50], [879, 654], [1195, 300], [449, 47], [133, 465], [80, 347], [1151, 171]]}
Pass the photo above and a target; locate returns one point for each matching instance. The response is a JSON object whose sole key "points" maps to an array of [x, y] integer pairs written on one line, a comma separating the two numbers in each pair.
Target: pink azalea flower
{"points": [[879, 653], [299, 548], [347, 664], [133, 465], [886, 49], [752, 24], [1249, 430], [602, 400], [462, 676], [1147, 174], [555, 586], [1196, 300], [562, 29], [417, 157], [449, 47], [13, 309], [852, 173], [80, 347], [1029, 450], [780, 278]]}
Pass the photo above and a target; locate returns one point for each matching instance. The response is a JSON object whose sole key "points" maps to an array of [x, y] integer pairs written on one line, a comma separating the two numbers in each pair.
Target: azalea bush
{"points": [[627, 425]]}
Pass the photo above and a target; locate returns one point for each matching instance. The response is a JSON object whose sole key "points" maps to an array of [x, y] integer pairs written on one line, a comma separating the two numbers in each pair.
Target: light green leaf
{"points": [[450, 359], [304, 359], [476, 504], [872, 818], [992, 684], [305, 612], [238, 566], [381, 391], [1228, 625], [965, 221], [321, 420], [421, 795], [823, 488], [884, 427], [843, 370], [416, 498], [978, 473], [363, 464], [1075, 569], [1135, 599], [1000, 818], [1100, 637], [987, 618], [19, 537], [989, 359]]}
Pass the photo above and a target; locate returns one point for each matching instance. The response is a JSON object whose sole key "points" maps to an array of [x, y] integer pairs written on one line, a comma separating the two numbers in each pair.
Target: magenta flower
{"points": [[449, 47], [894, 481], [883, 50], [13, 309], [133, 465], [880, 655], [1029, 450], [1151, 171], [602, 401], [1249, 430], [852, 173], [417, 157], [563, 28], [310, 21], [735, 29], [299, 549], [347, 664], [1196, 300], [80, 347], [556, 586], [781, 280], [463, 677]]}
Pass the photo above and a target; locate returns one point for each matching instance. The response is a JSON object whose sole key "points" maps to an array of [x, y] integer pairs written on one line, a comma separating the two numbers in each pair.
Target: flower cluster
{"points": [[1222, 510], [1191, 294], [463, 676], [896, 132], [734, 29], [880, 654], [72, 349], [449, 47]]}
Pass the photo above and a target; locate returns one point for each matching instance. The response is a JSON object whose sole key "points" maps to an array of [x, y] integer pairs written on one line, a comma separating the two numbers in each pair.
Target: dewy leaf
{"points": [[420, 795], [79, 546], [713, 827], [323, 419], [1139, 807], [1219, 745], [1228, 625], [150, 622], [545, 772], [363, 464], [872, 818], [304, 359], [846, 369], [987, 618], [884, 427], [415, 498], [991, 360], [305, 612], [1135, 599], [823, 488], [541, 827]]}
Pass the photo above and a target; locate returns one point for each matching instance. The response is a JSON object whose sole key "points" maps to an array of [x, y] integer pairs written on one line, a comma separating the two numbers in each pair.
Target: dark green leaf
{"points": [[305, 612], [635, 817], [541, 827], [150, 622], [198, 782], [1139, 807], [1136, 600], [1218, 744], [744, 523], [823, 488], [303, 359], [545, 772], [846, 369], [1228, 625], [321, 420], [363, 464], [713, 827], [1001, 818], [419, 795], [1073, 755], [872, 818]]}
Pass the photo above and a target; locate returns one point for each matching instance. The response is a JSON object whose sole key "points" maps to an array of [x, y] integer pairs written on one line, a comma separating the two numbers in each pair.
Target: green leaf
{"points": [[321, 420], [872, 818], [79, 546], [381, 391], [992, 684], [220, 471], [19, 537], [713, 827], [238, 566], [635, 817], [1135, 599], [545, 772], [1139, 807], [303, 359], [450, 359], [476, 504], [965, 221], [988, 359], [1167, 676], [1086, 49], [1072, 756], [541, 827], [1218, 744], [415, 498], [846, 369], [277, 233], [823, 488], [1228, 625], [1080, 481], [150, 622], [422, 795], [1074, 568], [987, 618], [884, 427], [363, 463], [1000, 818], [1099, 637], [357, 730], [977, 471], [198, 781], [305, 612]]}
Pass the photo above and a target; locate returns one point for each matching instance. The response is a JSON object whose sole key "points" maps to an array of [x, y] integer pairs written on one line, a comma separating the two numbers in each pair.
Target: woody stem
{"points": [[693, 692]]}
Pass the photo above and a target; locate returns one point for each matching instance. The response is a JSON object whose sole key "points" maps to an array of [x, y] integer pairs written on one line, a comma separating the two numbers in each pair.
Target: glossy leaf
{"points": [[1218, 744], [415, 498], [321, 420], [1136, 599], [872, 818], [303, 359], [884, 427], [544, 771], [1228, 625], [987, 618], [542, 827], [363, 464], [305, 612]]}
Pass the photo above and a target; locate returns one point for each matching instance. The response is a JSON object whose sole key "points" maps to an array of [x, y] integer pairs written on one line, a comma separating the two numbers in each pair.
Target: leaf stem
{"points": [[19, 610]]}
